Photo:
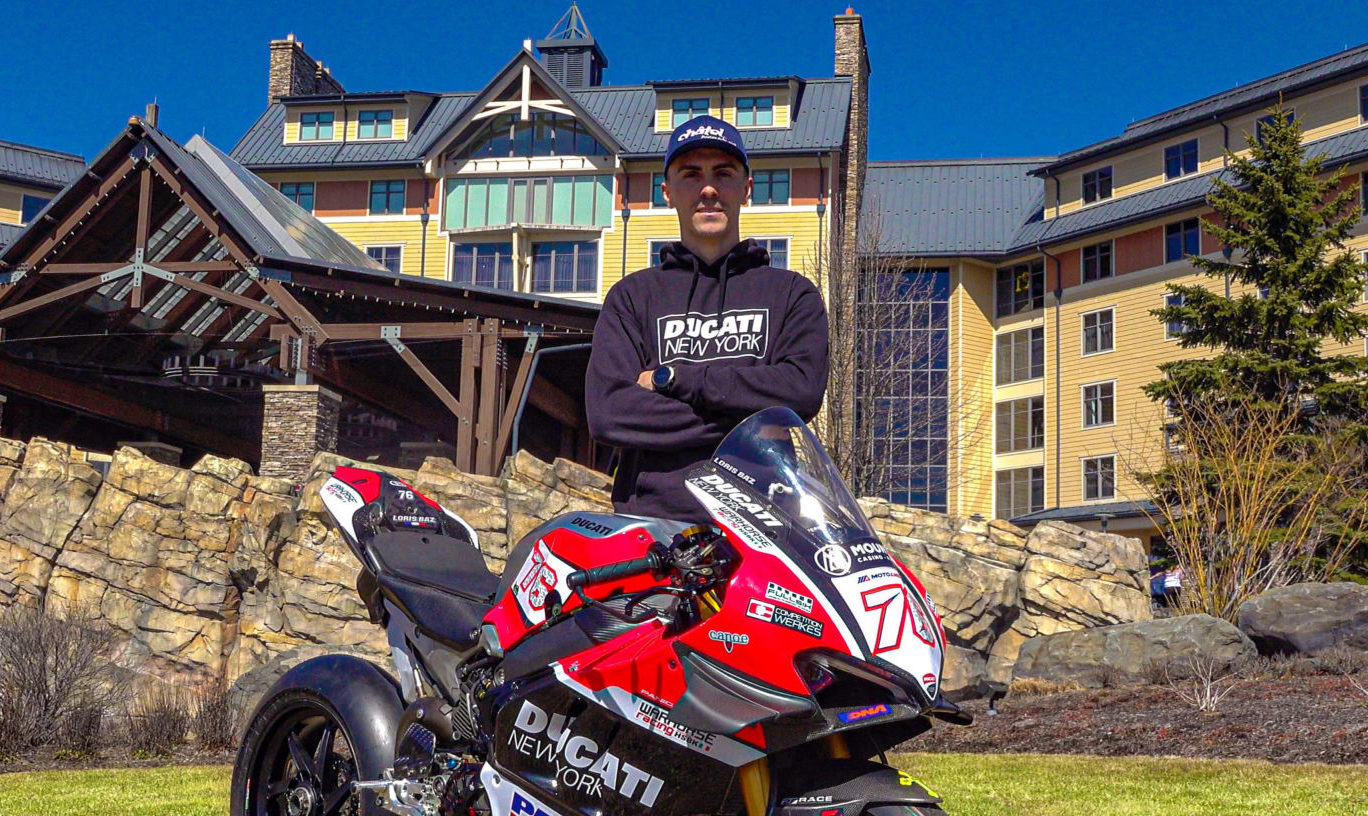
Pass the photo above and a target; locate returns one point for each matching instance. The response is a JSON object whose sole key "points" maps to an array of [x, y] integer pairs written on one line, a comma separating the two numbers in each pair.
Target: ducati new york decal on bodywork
{"points": [[578, 761], [697, 337]]}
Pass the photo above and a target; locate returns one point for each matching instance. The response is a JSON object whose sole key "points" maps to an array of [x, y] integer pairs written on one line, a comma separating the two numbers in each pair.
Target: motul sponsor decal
{"points": [[697, 337], [578, 761], [774, 592], [786, 618]]}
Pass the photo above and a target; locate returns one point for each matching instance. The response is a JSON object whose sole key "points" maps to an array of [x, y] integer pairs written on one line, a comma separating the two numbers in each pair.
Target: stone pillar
{"points": [[297, 421], [295, 73], [157, 451], [852, 60]]}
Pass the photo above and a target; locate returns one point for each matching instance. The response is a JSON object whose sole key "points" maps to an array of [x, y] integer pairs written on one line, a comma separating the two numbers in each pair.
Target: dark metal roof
{"points": [[957, 207], [7, 233], [1089, 512], [1252, 96], [262, 147], [818, 123], [627, 112], [38, 167], [721, 83]]}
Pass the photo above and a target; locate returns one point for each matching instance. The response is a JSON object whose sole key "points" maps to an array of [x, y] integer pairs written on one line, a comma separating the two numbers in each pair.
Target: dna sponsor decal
{"points": [[861, 714], [698, 337], [578, 761]]}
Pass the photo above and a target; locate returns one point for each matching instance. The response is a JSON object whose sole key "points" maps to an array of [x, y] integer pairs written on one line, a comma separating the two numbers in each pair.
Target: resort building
{"points": [[29, 178]]}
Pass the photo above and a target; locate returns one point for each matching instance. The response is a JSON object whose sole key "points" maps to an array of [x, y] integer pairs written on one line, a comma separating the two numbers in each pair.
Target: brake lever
{"points": [[625, 615]]}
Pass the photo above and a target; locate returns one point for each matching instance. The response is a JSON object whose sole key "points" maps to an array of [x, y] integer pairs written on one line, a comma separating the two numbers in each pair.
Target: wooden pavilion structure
{"points": [[168, 293]]}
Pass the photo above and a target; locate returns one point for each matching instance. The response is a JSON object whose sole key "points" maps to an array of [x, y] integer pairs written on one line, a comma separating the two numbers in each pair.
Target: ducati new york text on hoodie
{"points": [[741, 335]]}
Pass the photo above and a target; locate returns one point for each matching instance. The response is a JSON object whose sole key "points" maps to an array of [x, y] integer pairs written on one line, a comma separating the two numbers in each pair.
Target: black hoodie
{"points": [[741, 335]]}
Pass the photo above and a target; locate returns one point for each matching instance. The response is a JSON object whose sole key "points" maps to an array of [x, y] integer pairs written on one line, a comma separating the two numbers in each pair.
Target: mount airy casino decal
{"points": [[696, 337]]}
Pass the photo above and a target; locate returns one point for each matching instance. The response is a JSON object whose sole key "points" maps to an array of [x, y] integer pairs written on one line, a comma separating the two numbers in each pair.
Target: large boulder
{"points": [[44, 502], [1130, 652], [1307, 618]]}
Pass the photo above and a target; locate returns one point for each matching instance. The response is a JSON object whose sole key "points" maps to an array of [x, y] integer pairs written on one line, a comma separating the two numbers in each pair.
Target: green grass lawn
{"points": [[972, 784]]}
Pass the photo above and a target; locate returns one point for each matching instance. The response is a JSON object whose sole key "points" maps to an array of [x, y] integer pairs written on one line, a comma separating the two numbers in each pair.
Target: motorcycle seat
{"points": [[441, 583]]}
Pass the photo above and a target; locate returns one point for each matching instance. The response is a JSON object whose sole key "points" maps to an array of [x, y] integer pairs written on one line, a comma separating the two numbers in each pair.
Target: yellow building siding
{"points": [[348, 128], [406, 233], [970, 482], [1323, 113], [722, 105], [12, 201]]}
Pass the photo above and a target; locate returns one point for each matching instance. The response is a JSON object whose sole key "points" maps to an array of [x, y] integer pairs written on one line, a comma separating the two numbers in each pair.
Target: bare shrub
{"points": [[80, 734], [1155, 672], [1340, 659], [158, 720], [1035, 687], [51, 669], [1111, 676], [1202, 681], [215, 723]]}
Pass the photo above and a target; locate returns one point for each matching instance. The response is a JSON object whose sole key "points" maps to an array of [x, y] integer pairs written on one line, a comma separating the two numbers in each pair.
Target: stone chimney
{"points": [[852, 60], [295, 73]]}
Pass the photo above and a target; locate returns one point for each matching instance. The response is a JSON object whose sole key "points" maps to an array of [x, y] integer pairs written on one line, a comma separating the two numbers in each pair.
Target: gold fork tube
{"points": [[836, 746], [755, 786]]}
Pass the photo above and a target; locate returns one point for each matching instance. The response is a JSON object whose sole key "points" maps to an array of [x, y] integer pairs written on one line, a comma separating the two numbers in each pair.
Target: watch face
{"points": [[661, 377]]}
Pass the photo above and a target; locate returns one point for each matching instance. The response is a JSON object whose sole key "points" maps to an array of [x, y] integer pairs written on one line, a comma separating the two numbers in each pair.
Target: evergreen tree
{"points": [[1286, 227]]}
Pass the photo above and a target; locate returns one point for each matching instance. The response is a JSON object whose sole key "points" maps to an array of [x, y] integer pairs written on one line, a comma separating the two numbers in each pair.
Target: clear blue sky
{"points": [[951, 79]]}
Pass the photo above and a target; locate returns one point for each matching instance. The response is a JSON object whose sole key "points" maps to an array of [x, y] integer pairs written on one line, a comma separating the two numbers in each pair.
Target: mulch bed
{"points": [[47, 759], [1304, 719]]}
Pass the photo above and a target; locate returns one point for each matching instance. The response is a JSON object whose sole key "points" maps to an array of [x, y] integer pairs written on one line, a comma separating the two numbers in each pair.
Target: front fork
{"points": [[755, 776]]}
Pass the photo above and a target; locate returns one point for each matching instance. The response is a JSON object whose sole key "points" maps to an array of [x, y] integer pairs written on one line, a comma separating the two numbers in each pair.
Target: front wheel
{"points": [[297, 759]]}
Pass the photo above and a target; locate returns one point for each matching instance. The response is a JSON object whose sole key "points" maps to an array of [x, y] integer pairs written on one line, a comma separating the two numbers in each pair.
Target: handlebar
{"points": [[653, 561]]}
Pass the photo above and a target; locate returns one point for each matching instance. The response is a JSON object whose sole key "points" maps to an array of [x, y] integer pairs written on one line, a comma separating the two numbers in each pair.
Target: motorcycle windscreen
{"points": [[772, 484]]}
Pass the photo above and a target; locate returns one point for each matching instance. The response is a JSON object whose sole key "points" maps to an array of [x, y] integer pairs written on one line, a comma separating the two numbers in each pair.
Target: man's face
{"points": [[707, 187]]}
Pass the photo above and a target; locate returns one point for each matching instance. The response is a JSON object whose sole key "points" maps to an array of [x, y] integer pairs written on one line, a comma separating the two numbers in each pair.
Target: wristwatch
{"points": [[662, 378]]}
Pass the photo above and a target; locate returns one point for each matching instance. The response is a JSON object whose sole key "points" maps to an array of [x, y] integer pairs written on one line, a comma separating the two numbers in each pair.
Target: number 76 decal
{"points": [[894, 606]]}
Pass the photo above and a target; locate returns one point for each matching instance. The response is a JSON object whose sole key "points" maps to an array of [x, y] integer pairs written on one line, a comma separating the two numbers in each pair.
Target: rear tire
{"points": [[298, 758]]}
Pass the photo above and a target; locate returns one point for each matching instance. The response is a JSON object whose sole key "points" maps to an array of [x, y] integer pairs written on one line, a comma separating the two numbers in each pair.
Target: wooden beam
{"points": [[408, 331], [89, 399], [226, 296], [92, 282], [425, 374], [471, 346], [491, 395], [294, 310], [361, 384], [144, 228], [510, 412], [198, 266], [94, 200], [82, 268], [192, 199], [554, 402]]}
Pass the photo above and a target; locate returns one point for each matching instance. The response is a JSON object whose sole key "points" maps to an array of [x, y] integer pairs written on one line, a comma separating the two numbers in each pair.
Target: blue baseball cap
{"points": [[706, 131]]}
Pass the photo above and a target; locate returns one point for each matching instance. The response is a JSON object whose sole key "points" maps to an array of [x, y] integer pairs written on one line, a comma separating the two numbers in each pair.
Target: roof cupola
{"points": [[570, 53]]}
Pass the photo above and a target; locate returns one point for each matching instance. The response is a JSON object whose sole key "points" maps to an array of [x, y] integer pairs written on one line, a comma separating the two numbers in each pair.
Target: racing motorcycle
{"points": [[621, 666]]}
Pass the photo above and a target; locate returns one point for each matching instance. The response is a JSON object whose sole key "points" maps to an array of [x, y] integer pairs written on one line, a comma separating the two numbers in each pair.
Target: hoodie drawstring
{"points": [[693, 286], [722, 295]]}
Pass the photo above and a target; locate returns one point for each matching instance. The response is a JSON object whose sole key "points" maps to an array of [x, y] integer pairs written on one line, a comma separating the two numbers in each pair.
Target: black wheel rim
{"points": [[304, 767]]}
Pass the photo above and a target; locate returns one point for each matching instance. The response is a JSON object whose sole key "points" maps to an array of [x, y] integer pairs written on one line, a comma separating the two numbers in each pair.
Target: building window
{"points": [[1099, 478], [30, 206], [489, 265], [1021, 355], [903, 367], [683, 110], [387, 256], [1181, 239], [375, 124], [1020, 491], [582, 201], [777, 249], [656, 246], [1174, 329], [657, 194], [1020, 288], [1180, 159], [315, 127], [1097, 332], [300, 192], [1097, 185], [1097, 261], [1021, 424], [755, 111], [565, 266], [1267, 122], [386, 197], [1363, 103], [770, 187], [542, 134], [1099, 404]]}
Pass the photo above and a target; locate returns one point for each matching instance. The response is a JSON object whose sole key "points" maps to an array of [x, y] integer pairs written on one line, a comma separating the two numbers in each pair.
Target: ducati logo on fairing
{"points": [[833, 559], [725, 490], [579, 763]]}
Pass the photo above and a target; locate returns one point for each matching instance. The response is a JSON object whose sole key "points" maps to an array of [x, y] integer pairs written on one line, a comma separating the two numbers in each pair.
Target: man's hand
{"points": [[645, 379]]}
